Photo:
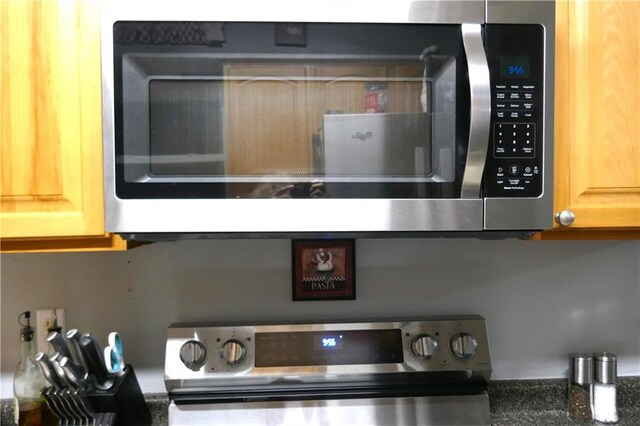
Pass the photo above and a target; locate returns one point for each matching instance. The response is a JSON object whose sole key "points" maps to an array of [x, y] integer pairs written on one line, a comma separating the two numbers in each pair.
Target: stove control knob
{"points": [[423, 346], [193, 355], [233, 352], [463, 346]]}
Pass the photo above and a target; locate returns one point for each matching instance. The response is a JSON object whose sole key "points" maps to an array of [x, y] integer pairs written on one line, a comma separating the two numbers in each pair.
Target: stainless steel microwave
{"points": [[321, 116]]}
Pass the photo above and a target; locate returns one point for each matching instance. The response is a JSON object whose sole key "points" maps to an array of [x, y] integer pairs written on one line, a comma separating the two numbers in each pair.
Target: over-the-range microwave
{"points": [[324, 117]]}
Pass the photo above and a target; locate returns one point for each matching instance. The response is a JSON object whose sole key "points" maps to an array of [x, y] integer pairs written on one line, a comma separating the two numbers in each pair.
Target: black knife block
{"points": [[124, 398]]}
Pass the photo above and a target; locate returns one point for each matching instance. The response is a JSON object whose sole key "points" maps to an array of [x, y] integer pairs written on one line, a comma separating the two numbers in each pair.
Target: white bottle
{"points": [[603, 391]]}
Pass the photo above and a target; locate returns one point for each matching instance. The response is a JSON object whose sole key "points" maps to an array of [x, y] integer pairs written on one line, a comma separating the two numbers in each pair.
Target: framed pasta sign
{"points": [[323, 269]]}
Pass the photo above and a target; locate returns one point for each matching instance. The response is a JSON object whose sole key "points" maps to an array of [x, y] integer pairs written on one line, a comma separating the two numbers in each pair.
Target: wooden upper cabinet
{"points": [[405, 88], [341, 87], [597, 143], [274, 110], [51, 148], [267, 126]]}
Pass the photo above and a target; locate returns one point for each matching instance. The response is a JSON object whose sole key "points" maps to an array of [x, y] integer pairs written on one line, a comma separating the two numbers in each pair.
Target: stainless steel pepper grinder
{"points": [[579, 393], [603, 390]]}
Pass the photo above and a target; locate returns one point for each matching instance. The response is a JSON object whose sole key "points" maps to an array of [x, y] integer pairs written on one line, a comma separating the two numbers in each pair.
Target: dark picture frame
{"points": [[323, 269]]}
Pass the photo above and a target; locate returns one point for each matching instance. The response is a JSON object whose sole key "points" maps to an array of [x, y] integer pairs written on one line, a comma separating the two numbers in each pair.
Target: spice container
{"points": [[375, 98], [579, 394], [603, 395]]}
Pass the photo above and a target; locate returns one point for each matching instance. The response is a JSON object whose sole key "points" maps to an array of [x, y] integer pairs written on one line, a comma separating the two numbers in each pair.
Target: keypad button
{"points": [[514, 140]]}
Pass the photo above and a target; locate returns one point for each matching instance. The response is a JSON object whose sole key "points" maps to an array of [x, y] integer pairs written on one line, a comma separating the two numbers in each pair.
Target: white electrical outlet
{"points": [[45, 320]]}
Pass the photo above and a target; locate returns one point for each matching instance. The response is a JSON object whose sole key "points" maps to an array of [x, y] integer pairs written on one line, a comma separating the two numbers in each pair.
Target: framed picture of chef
{"points": [[323, 269]]}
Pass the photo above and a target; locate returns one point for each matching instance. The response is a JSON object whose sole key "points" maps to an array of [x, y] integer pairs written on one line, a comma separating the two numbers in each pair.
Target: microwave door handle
{"points": [[480, 90]]}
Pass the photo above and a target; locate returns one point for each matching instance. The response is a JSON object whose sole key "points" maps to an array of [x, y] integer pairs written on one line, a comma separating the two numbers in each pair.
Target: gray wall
{"points": [[541, 300]]}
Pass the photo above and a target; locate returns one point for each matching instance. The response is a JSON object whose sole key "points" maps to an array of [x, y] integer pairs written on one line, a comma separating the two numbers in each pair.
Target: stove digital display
{"points": [[329, 342], [289, 349]]}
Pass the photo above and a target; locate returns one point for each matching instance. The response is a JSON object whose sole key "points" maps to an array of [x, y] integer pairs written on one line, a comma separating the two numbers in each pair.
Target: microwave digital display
{"points": [[515, 67]]}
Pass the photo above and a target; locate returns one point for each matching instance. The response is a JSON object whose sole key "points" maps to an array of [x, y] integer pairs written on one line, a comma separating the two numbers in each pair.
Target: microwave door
{"points": [[198, 131], [480, 114]]}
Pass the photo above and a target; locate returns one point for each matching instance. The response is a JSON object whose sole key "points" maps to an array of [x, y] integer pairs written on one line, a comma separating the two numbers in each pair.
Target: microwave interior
{"points": [[286, 110]]}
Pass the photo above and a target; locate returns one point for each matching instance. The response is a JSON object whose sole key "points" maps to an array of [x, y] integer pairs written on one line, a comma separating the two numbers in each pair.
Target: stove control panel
{"points": [[210, 355]]}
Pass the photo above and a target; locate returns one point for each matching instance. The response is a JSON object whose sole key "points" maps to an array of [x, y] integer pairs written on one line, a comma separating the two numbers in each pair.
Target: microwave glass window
{"points": [[263, 110], [185, 128]]}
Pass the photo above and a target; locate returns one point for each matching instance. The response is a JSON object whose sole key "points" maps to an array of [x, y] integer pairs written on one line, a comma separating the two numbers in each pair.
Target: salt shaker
{"points": [[603, 395], [579, 397]]}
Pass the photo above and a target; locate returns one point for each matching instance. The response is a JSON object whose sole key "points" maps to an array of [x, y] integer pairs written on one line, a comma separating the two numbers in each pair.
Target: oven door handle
{"points": [[480, 119]]}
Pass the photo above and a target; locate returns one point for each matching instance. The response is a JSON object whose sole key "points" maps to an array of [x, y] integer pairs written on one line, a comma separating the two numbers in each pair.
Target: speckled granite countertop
{"points": [[518, 402], [544, 402]]}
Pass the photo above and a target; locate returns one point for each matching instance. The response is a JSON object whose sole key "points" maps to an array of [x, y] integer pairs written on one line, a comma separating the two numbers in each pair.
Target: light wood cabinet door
{"points": [[341, 88], [597, 164], [266, 132], [405, 88], [51, 126]]}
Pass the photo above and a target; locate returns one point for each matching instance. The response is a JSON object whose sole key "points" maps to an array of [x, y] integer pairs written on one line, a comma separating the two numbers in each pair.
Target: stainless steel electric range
{"points": [[432, 371]]}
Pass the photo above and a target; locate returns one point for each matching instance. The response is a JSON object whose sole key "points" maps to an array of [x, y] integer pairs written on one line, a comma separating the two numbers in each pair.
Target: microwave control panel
{"points": [[515, 54]]}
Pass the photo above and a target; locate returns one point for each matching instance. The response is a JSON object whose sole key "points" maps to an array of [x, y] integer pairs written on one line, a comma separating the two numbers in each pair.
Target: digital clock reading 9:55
{"points": [[514, 66], [328, 342]]}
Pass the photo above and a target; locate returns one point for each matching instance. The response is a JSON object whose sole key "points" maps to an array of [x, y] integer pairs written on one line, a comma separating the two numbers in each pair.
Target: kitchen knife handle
{"points": [[95, 363], [74, 416], [74, 338], [83, 403], [72, 372], [58, 343], [46, 366], [53, 404], [58, 371]]}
